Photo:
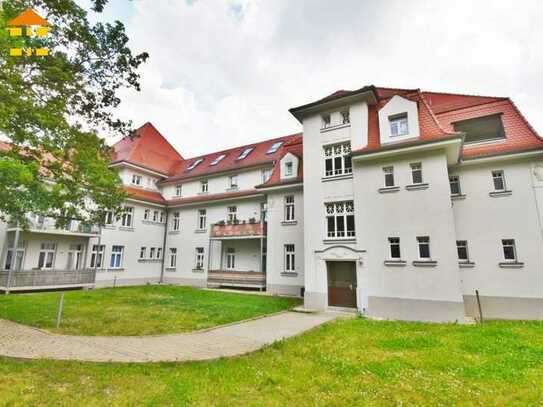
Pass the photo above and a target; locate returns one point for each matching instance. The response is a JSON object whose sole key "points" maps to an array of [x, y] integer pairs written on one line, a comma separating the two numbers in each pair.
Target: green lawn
{"points": [[350, 362], [146, 310]]}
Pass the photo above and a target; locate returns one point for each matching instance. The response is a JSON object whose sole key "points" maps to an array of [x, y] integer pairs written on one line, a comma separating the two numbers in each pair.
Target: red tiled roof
{"points": [[213, 197], [294, 147], [148, 149], [144, 195], [444, 102], [257, 157]]}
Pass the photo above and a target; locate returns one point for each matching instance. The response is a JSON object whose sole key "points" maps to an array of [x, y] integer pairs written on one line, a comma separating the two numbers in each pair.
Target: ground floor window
{"points": [[74, 257], [14, 261], [173, 257], [199, 258], [47, 255], [97, 256], [116, 257], [230, 258], [290, 258]]}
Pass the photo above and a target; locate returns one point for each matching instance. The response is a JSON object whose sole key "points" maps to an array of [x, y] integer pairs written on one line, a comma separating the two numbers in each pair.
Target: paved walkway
{"points": [[21, 341]]}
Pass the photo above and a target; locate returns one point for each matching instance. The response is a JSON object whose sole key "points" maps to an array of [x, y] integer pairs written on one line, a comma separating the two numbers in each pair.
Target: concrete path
{"points": [[21, 341]]}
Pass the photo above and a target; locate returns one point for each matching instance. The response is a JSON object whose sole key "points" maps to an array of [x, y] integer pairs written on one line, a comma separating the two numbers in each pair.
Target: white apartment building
{"points": [[398, 202]]}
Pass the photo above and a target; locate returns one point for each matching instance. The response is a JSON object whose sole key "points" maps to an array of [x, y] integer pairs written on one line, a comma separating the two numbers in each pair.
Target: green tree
{"points": [[52, 109]]}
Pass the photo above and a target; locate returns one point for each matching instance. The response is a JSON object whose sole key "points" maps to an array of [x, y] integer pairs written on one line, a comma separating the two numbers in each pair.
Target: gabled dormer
{"points": [[289, 166], [398, 120]]}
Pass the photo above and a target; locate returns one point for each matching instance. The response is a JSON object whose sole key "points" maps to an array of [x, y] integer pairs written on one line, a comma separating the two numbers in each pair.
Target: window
{"points": [[481, 128], [509, 250], [178, 190], [394, 243], [499, 180], [337, 159], [136, 179], [264, 211], [462, 250], [398, 125], [97, 256], [245, 153], [203, 186], [266, 174], [416, 173], [199, 258], [109, 218], [146, 214], [9, 263], [288, 169], [275, 146], [230, 258], [424, 247], [152, 253], [116, 257], [389, 176], [289, 208], [202, 219], [155, 216], [454, 183], [231, 213], [143, 252], [47, 255], [290, 258], [126, 219], [340, 219], [195, 163], [345, 117], [326, 120], [233, 181], [161, 217], [173, 257], [159, 252], [217, 159], [176, 221]]}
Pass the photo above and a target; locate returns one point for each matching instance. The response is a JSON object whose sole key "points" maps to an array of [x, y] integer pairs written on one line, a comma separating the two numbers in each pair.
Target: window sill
{"points": [[511, 264], [170, 269], [200, 231], [339, 240], [415, 187], [174, 232], [149, 260], [151, 222], [197, 270], [232, 189], [337, 126], [115, 269], [385, 190], [496, 194], [395, 263], [458, 197], [466, 264], [289, 274], [126, 228], [425, 263], [328, 178], [289, 222], [110, 227]]}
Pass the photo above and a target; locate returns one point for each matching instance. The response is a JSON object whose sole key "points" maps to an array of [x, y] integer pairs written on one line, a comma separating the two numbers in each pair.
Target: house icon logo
{"points": [[28, 24]]}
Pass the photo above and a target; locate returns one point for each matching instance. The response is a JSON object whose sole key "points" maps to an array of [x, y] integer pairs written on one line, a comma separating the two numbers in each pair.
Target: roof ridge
{"points": [[464, 94], [475, 105]]}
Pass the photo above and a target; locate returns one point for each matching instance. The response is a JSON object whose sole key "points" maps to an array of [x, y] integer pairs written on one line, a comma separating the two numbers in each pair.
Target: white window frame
{"points": [[159, 252], [49, 254], [172, 257], [399, 125], [339, 157], [499, 175], [218, 159], [423, 241], [200, 257], [326, 119], [232, 213], [345, 117], [416, 171], [146, 214], [202, 219], [161, 216], [152, 252], [455, 179], [97, 256], [266, 174], [204, 186], [127, 219], [394, 242], [274, 147], [245, 153], [195, 163], [389, 176], [137, 179], [176, 221], [509, 243], [289, 169], [289, 208], [109, 218], [233, 181], [19, 257], [462, 244], [290, 258], [230, 258], [155, 216], [116, 259], [178, 189], [143, 252], [339, 210]]}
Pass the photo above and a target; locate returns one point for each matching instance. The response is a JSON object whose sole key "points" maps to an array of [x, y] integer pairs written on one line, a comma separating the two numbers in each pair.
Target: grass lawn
{"points": [[145, 310], [350, 362]]}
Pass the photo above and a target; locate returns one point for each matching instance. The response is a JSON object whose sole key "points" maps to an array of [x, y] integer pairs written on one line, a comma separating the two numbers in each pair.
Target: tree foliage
{"points": [[52, 109]]}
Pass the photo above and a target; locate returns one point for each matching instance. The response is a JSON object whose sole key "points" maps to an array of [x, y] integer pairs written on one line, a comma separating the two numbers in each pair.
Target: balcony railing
{"points": [[39, 279], [226, 278], [48, 225], [241, 229]]}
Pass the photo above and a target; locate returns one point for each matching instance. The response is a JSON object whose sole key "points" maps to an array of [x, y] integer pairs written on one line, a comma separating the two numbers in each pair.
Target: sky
{"points": [[225, 73]]}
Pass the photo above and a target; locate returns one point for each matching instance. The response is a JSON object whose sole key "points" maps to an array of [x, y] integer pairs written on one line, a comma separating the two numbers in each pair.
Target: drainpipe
{"points": [[98, 253], [163, 264], [15, 258]]}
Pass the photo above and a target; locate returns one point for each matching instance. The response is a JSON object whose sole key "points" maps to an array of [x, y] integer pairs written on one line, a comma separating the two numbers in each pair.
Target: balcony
{"points": [[46, 279], [241, 230], [40, 224], [246, 279]]}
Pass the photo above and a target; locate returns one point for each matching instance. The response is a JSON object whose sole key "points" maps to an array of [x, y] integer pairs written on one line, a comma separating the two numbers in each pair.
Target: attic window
{"points": [[481, 128], [274, 147], [398, 125], [195, 163], [245, 153], [218, 159]]}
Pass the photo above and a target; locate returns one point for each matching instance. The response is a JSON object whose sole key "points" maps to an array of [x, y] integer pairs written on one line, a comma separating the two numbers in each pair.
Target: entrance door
{"points": [[342, 283]]}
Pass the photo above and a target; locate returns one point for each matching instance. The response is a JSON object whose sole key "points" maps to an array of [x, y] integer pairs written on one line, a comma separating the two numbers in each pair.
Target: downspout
{"points": [[14, 256], [161, 280]]}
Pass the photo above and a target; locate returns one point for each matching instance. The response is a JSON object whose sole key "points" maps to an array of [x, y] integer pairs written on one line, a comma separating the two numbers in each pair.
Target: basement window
{"points": [[481, 128]]}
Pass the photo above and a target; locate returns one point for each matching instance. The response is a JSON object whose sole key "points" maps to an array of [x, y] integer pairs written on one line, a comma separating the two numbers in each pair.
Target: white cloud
{"points": [[223, 73]]}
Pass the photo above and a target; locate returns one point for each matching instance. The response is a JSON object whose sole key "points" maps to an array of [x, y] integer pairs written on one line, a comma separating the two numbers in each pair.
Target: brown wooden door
{"points": [[342, 283]]}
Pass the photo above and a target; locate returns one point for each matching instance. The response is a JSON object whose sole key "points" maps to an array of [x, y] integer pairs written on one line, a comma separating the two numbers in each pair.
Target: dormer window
{"points": [[136, 179], [345, 117], [245, 153], [274, 147], [288, 169], [481, 128], [326, 120], [218, 159], [195, 163], [398, 125]]}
